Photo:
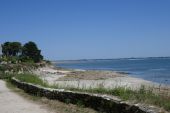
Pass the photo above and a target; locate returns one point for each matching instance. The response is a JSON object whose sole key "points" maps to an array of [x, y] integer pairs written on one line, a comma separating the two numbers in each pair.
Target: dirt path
{"points": [[10, 102]]}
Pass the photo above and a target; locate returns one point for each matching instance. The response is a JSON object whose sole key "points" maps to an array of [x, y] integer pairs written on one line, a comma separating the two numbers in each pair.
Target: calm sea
{"points": [[152, 69]]}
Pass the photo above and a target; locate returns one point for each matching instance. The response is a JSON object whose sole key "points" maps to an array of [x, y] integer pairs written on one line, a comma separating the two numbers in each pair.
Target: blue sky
{"points": [[89, 29]]}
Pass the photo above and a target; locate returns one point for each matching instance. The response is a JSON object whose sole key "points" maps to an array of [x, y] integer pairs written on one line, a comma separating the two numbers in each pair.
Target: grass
{"points": [[5, 76], [30, 78], [53, 106], [143, 95]]}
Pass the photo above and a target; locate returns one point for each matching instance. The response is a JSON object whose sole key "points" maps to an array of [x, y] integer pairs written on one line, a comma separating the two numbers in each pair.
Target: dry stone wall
{"points": [[101, 103]]}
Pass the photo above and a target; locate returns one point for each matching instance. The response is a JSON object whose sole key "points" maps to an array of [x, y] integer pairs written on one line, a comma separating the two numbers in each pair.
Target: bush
{"points": [[5, 59], [1, 60], [48, 62], [13, 59], [6, 76], [26, 59]]}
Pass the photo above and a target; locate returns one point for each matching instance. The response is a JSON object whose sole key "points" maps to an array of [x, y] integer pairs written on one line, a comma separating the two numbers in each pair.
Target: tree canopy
{"points": [[31, 50], [27, 51], [11, 48]]}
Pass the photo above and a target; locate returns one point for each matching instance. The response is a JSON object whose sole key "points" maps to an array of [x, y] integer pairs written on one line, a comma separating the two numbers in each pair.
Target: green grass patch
{"points": [[30, 78]]}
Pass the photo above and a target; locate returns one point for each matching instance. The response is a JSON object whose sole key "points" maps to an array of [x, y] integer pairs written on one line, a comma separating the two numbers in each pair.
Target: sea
{"points": [[152, 69]]}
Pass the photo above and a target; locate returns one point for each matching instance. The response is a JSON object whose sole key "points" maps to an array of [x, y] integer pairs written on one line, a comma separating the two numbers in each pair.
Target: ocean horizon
{"points": [[155, 69]]}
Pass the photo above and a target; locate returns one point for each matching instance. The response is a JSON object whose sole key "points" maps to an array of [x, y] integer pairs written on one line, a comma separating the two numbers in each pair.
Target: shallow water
{"points": [[152, 69]]}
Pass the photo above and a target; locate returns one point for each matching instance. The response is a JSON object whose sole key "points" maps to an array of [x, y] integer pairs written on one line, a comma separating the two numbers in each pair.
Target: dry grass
{"points": [[52, 105], [145, 95], [91, 75]]}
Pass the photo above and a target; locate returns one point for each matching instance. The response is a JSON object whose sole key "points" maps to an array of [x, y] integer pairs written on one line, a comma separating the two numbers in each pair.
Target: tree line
{"points": [[24, 53]]}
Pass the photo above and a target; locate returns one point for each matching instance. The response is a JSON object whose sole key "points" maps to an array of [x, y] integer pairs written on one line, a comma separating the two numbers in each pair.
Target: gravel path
{"points": [[10, 102]]}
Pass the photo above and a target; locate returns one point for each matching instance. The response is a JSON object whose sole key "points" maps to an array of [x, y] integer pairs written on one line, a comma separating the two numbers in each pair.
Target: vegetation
{"points": [[30, 78], [6, 76], [31, 51], [54, 105], [142, 95], [14, 52], [11, 48], [29, 54], [17, 58]]}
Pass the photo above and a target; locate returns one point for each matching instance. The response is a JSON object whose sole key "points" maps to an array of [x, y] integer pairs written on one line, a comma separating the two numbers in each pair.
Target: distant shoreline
{"points": [[58, 61]]}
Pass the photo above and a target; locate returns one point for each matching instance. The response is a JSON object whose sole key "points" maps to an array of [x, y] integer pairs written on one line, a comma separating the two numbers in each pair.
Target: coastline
{"points": [[111, 84], [92, 78], [151, 69]]}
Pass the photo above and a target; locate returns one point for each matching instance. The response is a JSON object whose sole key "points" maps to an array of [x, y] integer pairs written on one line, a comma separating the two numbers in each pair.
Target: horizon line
{"points": [[113, 58]]}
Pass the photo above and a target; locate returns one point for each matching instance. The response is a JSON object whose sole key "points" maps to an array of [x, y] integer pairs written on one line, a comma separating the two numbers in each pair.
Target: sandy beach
{"points": [[91, 79]]}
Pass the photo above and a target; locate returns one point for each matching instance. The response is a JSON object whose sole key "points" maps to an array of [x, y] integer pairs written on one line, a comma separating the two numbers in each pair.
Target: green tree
{"points": [[31, 51], [6, 49], [15, 48], [11, 48]]}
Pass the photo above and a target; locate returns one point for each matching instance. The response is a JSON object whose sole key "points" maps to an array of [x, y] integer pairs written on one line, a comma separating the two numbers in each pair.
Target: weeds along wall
{"points": [[100, 103]]}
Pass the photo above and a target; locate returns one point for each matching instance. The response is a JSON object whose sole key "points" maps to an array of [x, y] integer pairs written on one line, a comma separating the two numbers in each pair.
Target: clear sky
{"points": [[89, 29]]}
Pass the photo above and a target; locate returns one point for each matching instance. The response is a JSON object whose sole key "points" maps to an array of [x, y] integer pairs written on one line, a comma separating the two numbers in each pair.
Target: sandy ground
{"points": [[10, 102], [50, 74], [91, 79]]}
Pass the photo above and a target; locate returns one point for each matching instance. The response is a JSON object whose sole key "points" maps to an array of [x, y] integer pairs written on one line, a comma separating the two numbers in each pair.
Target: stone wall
{"points": [[101, 103]]}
